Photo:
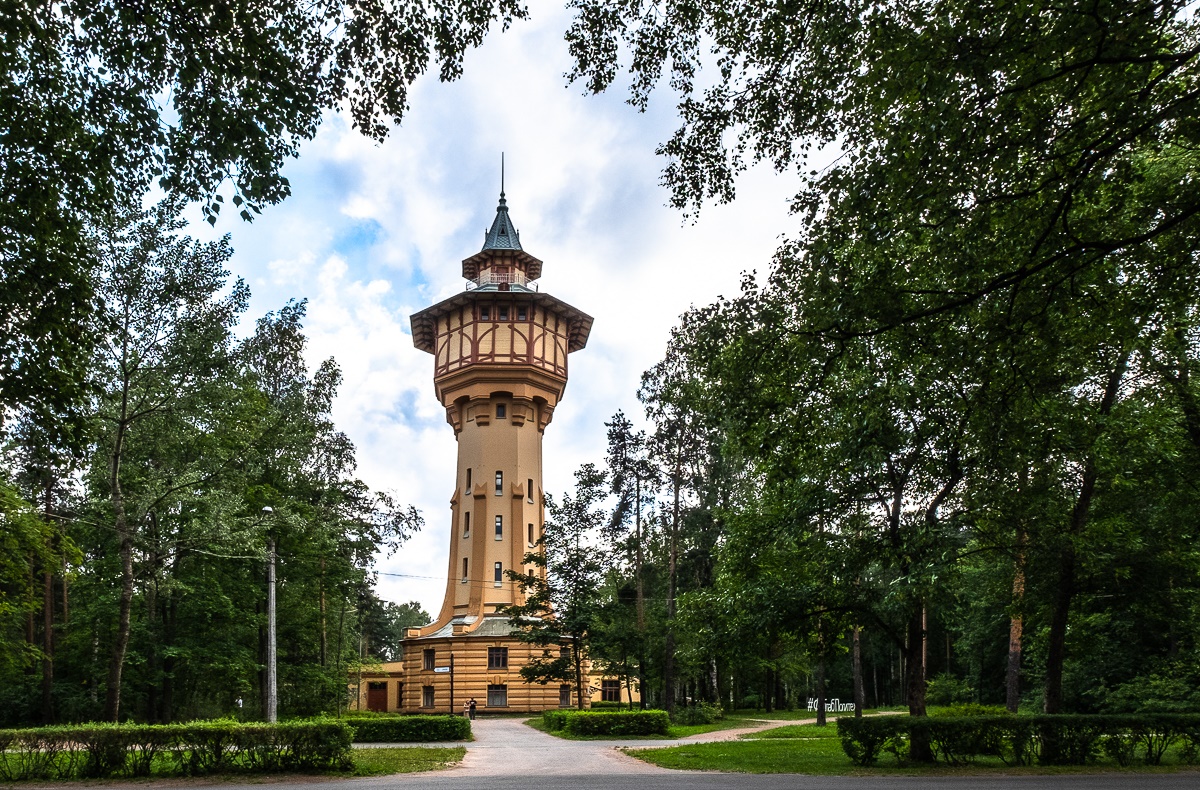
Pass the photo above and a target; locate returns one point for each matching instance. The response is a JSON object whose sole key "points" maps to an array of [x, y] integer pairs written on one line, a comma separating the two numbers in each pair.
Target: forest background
{"points": [[952, 435]]}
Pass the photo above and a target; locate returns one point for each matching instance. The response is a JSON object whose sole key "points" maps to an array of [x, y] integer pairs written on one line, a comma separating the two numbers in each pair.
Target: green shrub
{"points": [[699, 713], [604, 722], [602, 705], [106, 750], [1020, 740], [410, 729], [864, 739], [554, 720], [945, 689], [969, 709]]}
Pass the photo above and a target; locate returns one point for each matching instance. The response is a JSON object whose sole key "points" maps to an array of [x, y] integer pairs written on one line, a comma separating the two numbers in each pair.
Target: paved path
{"points": [[508, 755], [505, 746]]}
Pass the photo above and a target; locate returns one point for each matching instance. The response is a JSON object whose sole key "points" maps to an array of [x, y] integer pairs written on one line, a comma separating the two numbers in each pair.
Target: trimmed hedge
{"points": [[97, 751], [410, 729], [1023, 740], [606, 722]]}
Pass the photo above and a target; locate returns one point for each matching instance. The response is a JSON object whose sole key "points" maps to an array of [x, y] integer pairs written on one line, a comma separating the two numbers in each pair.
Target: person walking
{"points": [[471, 708]]}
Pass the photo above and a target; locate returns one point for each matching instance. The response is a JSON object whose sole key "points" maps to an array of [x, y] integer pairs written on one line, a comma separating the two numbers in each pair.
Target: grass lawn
{"points": [[807, 749], [405, 760], [673, 732], [367, 762]]}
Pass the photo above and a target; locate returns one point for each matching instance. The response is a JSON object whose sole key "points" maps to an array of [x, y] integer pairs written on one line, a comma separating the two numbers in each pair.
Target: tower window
{"points": [[531, 534], [464, 570], [468, 479], [499, 484], [466, 525], [521, 314], [501, 411], [529, 489], [504, 313], [499, 573], [485, 314], [499, 527]]}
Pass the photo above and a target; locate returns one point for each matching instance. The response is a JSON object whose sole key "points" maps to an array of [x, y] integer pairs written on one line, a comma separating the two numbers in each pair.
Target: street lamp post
{"points": [[272, 692]]}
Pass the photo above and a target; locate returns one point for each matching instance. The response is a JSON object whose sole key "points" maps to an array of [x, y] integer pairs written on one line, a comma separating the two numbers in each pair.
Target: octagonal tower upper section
{"points": [[501, 334]]}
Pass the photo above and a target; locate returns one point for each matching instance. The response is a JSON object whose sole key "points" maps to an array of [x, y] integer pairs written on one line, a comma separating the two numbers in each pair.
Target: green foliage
{"points": [[698, 713], [561, 588], [1022, 740], [405, 729], [945, 689], [207, 106], [615, 723], [102, 751]]}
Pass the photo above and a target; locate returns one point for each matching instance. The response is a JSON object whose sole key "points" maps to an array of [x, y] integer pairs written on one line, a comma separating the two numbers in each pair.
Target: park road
{"points": [[508, 755]]}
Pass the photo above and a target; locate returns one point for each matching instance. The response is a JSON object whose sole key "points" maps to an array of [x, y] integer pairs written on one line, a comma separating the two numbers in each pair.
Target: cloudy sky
{"points": [[374, 233]]}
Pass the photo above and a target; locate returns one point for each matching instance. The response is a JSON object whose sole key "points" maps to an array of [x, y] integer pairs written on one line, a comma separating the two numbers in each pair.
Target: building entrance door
{"points": [[377, 697]]}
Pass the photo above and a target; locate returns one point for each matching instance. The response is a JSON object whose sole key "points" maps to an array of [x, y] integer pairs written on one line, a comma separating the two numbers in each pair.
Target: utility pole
{"points": [[272, 690]]}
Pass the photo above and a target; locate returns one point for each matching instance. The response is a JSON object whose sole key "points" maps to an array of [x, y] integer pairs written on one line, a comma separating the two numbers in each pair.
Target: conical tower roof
{"points": [[502, 236], [502, 242]]}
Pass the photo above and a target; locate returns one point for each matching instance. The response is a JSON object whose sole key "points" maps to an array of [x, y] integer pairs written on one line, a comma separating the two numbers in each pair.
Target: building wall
{"points": [[407, 679]]}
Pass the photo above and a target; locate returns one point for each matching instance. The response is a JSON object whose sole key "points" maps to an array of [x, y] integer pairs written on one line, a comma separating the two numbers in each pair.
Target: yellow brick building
{"points": [[500, 352]]}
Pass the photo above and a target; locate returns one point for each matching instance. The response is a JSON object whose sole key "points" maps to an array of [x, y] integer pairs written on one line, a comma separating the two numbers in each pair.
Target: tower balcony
{"points": [[491, 280]]}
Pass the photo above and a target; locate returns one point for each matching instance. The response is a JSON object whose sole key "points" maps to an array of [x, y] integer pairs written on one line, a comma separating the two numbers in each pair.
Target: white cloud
{"points": [[374, 233]]}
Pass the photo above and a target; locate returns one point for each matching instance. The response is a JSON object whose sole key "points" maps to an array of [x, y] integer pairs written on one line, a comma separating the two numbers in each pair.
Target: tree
{"points": [[208, 99], [165, 334], [561, 606]]}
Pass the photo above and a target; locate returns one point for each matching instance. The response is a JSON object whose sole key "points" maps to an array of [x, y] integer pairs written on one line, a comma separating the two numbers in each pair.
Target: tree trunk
{"points": [[821, 718], [669, 663], [47, 647], [860, 696], [641, 593], [1012, 685], [919, 749], [324, 633], [1056, 648], [112, 701]]}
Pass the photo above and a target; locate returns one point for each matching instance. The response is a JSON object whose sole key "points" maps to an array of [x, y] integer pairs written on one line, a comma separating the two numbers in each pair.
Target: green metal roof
{"points": [[502, 236]]}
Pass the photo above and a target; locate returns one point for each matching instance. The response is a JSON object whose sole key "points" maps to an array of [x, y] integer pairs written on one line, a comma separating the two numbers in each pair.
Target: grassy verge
{"points": [[406, 760], [367, 762], [806, 749], [674, 732]]}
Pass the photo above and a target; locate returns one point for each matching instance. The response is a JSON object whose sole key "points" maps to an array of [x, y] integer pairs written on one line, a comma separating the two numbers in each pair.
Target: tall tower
{"points": [[500, 353]]}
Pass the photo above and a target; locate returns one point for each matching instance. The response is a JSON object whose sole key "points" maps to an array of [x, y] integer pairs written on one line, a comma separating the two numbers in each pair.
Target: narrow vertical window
{"points": [[529, 489], [426, 696], [521, 313], [499, 573], [485, 313], [466, 525], [499, 527], [468, 479], [501, 411], [464, 570], [504, 313], [531, 534], [429, 658], [499, 484]]}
